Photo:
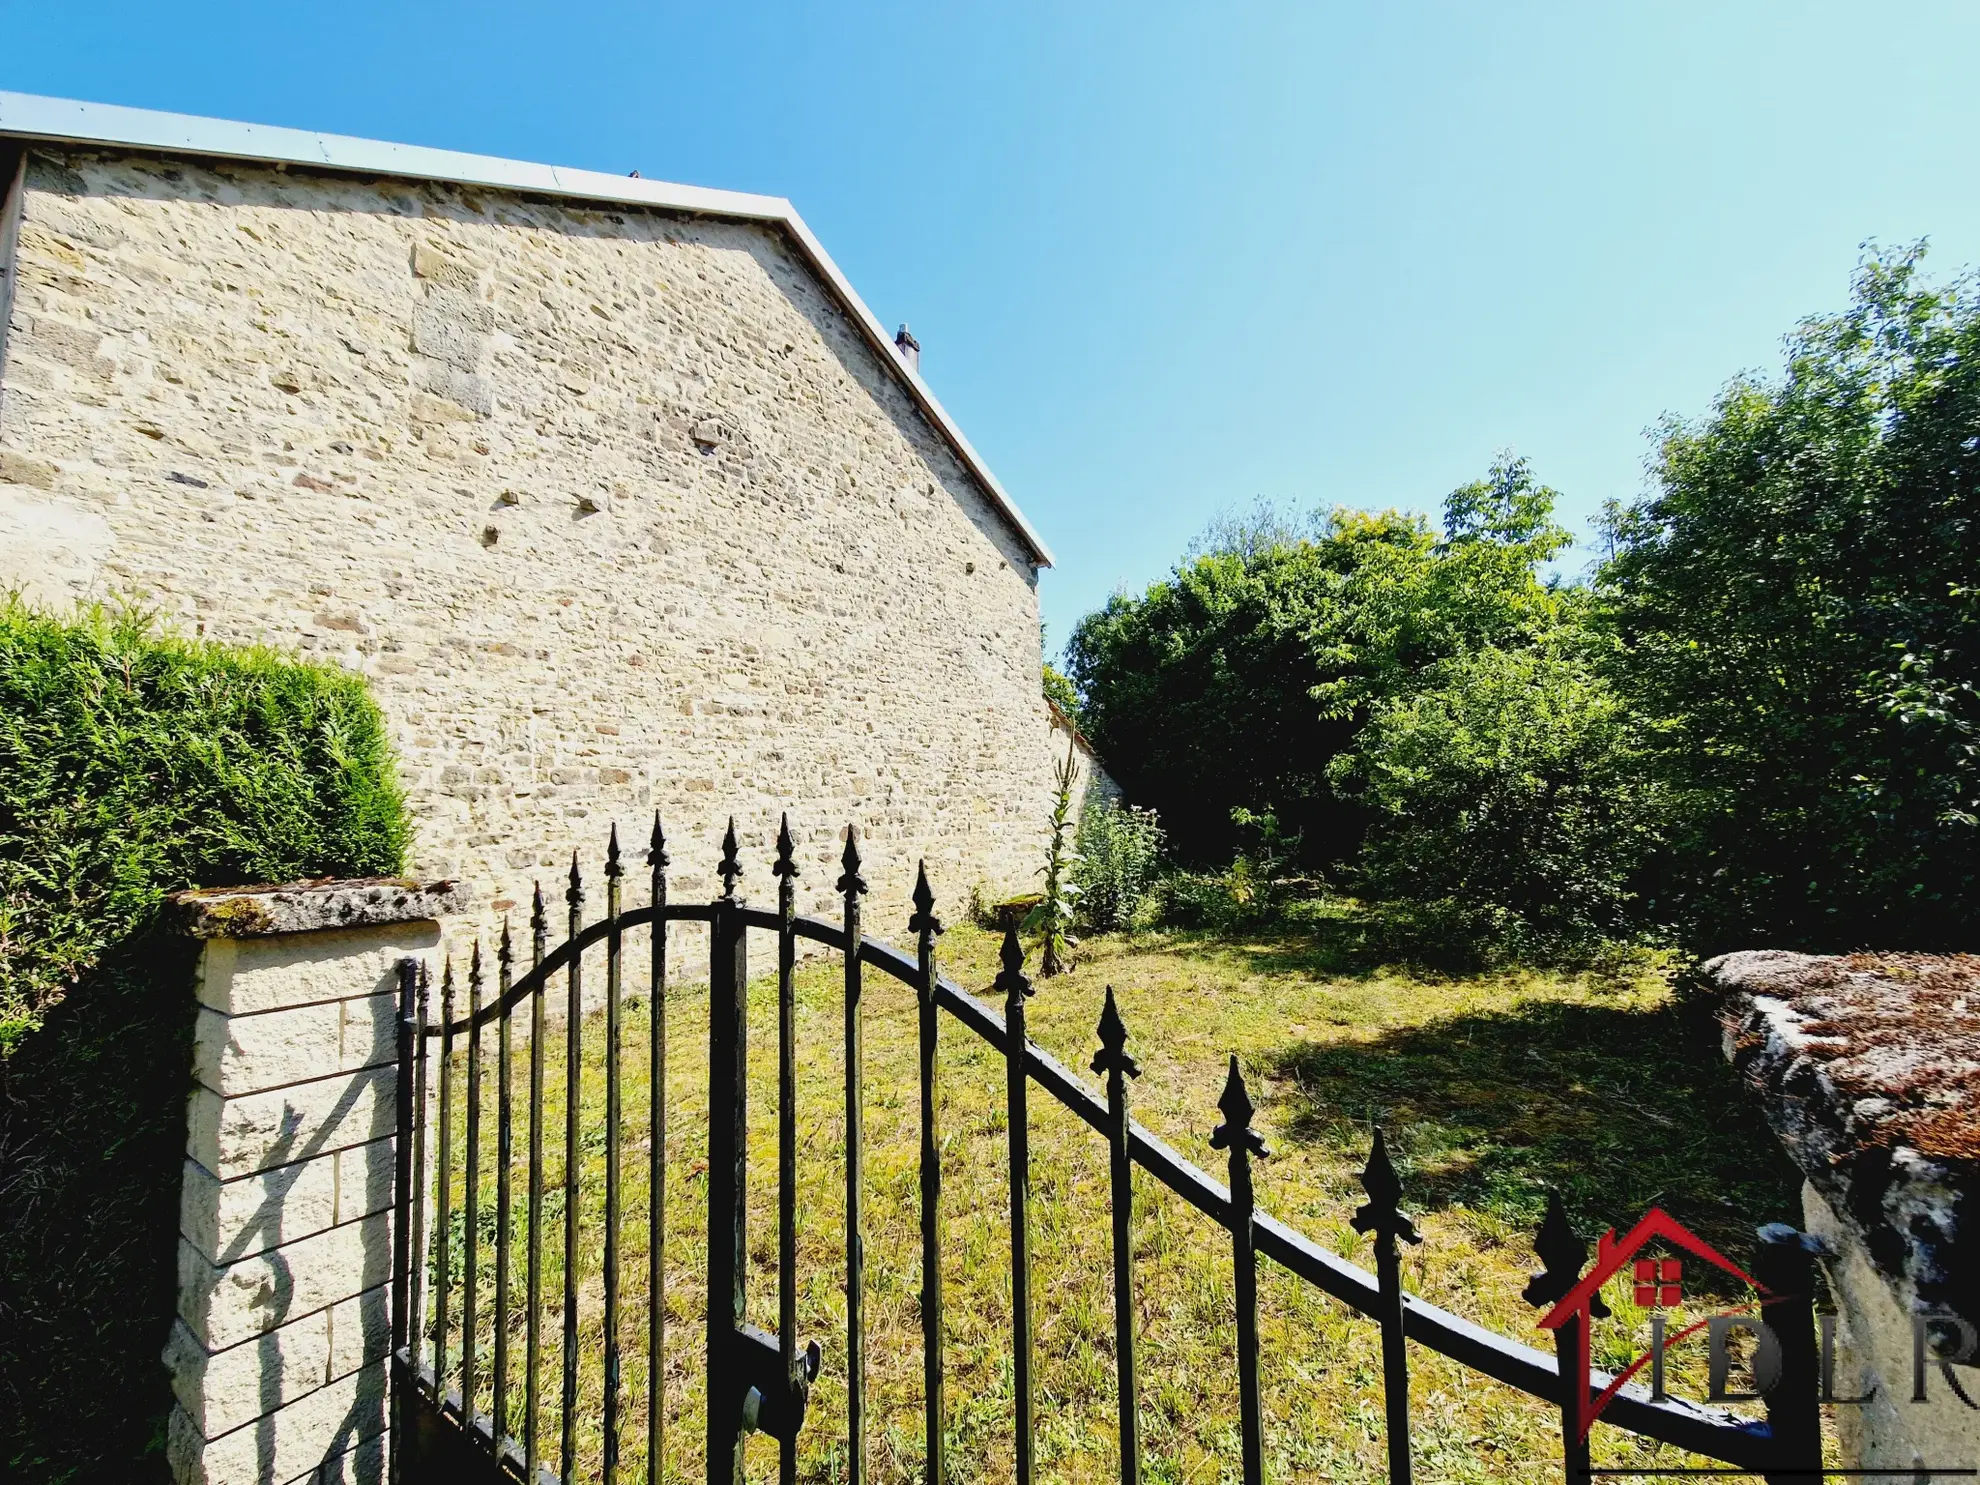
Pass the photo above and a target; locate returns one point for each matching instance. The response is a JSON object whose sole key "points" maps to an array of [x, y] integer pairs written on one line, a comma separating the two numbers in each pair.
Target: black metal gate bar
{"points": [[443, 1225], [852, 885], [471, 1194], [656, 1168], [1016, 986], [925, 925], [406, 1043], [785, 869], [1236, 1135], [505, 1113], [1562, 1255], [539, 936], [1784, 1268], [614, 942], [1113, 1061], [573, 1081], [728, 1151], [1382, 1215]]}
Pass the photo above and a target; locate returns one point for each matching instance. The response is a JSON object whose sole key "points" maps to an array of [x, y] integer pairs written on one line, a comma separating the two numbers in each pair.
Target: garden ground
{"points": [[1492, 1089]]}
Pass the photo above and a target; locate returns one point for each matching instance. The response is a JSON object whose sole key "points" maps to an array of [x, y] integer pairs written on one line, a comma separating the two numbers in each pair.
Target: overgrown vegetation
{"points": [[1057, 909], [1756, 723], [133, 764], [1120, 851]]}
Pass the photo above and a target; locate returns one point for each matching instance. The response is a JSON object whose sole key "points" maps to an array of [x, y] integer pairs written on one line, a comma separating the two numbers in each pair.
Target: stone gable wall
{"points": [[614, 508]]}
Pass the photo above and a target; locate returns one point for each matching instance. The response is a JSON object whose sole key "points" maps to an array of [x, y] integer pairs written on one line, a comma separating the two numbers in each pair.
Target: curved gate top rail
{"points": [[447, 1414]]}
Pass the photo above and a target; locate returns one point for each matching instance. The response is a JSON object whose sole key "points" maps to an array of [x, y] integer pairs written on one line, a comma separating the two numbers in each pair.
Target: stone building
{"points": [[614, 490]]}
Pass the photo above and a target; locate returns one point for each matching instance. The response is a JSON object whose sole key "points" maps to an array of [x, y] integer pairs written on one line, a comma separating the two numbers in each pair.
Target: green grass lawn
{"points": [[1491, 1088]]}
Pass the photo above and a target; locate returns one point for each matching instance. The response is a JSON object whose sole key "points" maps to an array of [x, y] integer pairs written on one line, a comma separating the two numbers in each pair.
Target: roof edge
{"points": [[68, 121]]}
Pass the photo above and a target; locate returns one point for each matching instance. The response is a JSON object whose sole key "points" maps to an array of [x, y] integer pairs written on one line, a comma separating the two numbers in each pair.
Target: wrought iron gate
{"points": [[459, 1414]]}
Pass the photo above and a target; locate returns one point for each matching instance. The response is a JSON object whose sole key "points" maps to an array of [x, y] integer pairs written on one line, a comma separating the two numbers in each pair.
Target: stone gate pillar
{"points": [[278, 1354]]}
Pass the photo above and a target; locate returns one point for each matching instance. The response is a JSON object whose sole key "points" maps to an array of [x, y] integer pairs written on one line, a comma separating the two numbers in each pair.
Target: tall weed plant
{"points": [[1120, 854]]}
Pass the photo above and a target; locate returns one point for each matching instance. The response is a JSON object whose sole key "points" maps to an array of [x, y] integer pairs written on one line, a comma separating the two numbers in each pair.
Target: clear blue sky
{"points": [[1166, 259]]}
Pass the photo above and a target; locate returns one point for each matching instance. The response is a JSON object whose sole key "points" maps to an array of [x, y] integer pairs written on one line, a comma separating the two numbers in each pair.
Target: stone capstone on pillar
{"points": [[278, 1354], [1868, 1067]]}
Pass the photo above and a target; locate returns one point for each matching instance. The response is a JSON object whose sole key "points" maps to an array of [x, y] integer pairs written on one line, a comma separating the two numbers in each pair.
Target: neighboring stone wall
{"points": [[278, 1355], [614, 509], [1868, 1066]]}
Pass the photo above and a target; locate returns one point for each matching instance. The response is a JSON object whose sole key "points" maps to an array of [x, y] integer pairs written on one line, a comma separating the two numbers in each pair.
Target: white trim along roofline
{"points": [[24, 116]]}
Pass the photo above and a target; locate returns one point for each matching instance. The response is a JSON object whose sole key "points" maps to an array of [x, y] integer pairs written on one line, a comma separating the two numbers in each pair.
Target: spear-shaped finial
{"points": [[575, 895], [1236, 1133], [731, 866], [1562, 1253], [507, 951], [474, 974], [924, 920], [656, 846], [447, 989], [1113, 1041], [851, 883], [539, 922], [786, 863], [1382, 1213], [612, 866], [1012, 979]]}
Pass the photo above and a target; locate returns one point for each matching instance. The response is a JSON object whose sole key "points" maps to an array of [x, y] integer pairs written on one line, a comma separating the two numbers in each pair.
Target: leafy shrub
{"points": [[131, 765], [1508, 803], [1119, 849]]}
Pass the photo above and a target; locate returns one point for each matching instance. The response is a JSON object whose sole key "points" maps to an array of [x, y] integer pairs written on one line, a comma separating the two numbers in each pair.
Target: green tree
{"points": [[1797, 599], [1234, 682]]}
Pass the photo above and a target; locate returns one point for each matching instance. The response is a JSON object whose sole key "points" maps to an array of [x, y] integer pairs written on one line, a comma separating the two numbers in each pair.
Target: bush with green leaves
{"points": [[1508, 800], [1120, 849], [133, 764]]}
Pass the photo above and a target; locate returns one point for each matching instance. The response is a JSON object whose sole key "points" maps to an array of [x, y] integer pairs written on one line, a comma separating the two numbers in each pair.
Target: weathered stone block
{"points": [[445, 333], [230, 1220], [311, 1434], [232, 1137], [312, 907], [246, 1054], [363, 1464], [223, 1306], [247, 976], [220, 1390]]}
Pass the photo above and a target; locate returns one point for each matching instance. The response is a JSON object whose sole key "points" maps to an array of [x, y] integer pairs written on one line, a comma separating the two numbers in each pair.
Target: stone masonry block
{"points": [[220, 1390], [246, 1053], [239, 1136], [292, 1444], [243, 976], [230, 1220], [363, 1464], [226, 1304]]}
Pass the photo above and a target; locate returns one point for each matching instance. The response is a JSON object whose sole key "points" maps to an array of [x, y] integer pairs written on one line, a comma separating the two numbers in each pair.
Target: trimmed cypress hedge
{"points": [[132, 764]]}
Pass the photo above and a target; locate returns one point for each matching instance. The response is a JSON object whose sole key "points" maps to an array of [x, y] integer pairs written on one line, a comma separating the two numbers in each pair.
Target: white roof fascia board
{"points": [[66, 121]]}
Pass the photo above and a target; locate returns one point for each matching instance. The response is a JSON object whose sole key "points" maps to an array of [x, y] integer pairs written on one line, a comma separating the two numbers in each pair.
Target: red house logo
{"points": [[1659, 1283]]}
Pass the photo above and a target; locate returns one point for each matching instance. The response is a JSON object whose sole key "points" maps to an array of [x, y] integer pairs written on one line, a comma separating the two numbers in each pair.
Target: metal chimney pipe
{"points": [[909, 347]]}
